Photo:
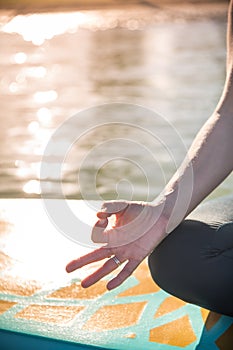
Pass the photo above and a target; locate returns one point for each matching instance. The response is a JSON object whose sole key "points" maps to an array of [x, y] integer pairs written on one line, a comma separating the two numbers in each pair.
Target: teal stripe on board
{"points": [[20, 341]]}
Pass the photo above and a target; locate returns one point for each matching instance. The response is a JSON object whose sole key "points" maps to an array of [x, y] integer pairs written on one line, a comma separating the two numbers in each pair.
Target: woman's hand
{"points": [[138, 228]]}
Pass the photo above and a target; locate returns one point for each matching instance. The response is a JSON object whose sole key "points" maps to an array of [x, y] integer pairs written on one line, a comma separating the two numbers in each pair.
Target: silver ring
{"points": [[116, 260]]}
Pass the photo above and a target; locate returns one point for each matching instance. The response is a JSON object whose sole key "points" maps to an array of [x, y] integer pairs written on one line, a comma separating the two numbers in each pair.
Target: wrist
{"points": [[172, 209]]}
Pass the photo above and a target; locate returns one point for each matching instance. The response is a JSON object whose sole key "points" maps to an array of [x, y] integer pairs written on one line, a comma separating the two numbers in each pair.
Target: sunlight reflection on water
{"points": [[56, 64], [49, 25]]}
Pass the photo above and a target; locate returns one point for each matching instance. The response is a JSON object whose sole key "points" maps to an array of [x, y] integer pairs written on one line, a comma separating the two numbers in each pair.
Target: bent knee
{"points": [[159, 272]]}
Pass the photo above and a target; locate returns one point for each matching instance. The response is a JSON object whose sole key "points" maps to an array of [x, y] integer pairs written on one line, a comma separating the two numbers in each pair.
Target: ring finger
{"points": [[109, 266]]}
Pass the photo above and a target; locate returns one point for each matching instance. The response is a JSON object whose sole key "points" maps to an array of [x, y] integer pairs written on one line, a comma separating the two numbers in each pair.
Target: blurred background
{"points": [[60, 58]]}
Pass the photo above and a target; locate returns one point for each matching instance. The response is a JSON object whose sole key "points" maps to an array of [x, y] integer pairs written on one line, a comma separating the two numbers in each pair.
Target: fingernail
{"points": [[102, 215], [68, 269]]}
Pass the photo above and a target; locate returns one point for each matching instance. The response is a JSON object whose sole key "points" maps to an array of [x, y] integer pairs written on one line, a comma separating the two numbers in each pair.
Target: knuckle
{"points": [[127, 271]]}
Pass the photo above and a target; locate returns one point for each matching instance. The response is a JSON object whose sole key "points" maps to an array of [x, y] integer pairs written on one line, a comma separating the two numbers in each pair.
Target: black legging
{"points": [[195, 261]]}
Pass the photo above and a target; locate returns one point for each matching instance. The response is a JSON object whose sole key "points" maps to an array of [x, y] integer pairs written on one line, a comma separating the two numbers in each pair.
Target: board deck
{"points": [[41, 306]]}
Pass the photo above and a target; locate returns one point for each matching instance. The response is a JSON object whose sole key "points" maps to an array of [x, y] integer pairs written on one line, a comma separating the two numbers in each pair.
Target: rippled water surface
{"points": [[125, 91]]}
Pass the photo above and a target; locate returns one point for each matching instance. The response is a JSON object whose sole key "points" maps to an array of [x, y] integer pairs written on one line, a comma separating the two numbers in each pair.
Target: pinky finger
{"points": [[123, 275]]}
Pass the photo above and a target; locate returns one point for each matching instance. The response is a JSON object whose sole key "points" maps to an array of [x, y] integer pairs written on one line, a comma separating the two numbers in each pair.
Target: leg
{"points": [[195, 262]]}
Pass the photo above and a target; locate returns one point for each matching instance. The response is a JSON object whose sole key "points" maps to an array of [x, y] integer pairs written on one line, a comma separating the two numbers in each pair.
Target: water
{"points": [[135, 62]]}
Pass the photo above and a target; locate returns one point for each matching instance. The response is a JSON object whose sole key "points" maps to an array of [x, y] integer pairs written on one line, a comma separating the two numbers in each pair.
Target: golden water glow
{"points": [[45, 96], [36, 72], [32, 187], [20, 57], [40, 27], [33, 127], [44, 115], [13, 87]]}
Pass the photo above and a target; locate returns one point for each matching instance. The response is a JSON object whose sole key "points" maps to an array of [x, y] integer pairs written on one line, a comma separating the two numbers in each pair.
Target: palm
{"points": [[137, 229]]}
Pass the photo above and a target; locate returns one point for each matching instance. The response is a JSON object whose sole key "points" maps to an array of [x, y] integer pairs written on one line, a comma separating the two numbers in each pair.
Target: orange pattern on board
{"points": [[168, 305], [111, 317], [6, 305], [76, 291], [18, 286], [176, 333]]}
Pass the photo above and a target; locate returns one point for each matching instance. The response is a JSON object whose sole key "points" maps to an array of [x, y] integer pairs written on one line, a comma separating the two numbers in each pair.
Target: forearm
{"points": [[210, 158], [208, 163]]}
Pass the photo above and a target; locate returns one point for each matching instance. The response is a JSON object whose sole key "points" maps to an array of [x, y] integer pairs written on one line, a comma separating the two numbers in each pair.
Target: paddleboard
{"points": [[43, 307]]}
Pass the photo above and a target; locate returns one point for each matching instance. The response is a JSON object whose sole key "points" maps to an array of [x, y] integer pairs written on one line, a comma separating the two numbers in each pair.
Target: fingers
{"points": [[113, 238], [112, 207], [98, 234], [96, 255], [123, 275], [110, 236], [103, 271], [108, 267]]}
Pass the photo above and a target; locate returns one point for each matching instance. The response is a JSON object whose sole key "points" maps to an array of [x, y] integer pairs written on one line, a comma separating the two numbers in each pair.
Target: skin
{"points": [[139, 226]]}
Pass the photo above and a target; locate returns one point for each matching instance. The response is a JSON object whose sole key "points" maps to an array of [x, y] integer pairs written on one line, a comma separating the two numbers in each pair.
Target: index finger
{"points": [[98, 234], [112, 207], [96, 255]]}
